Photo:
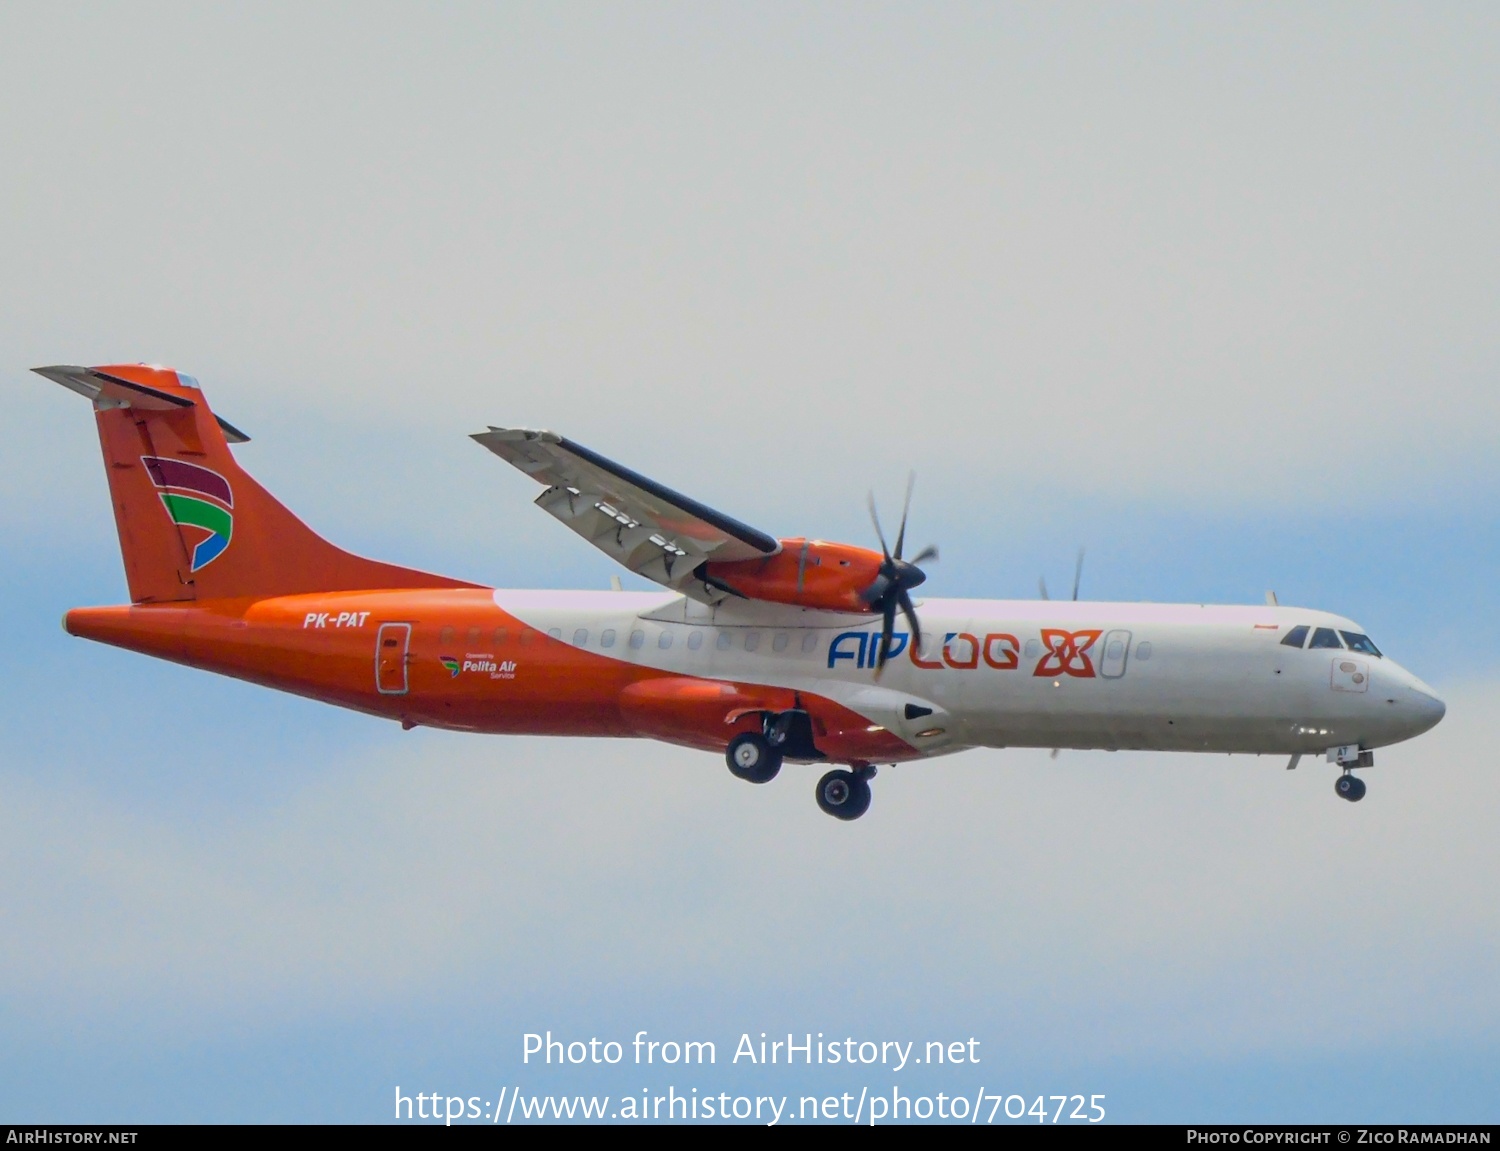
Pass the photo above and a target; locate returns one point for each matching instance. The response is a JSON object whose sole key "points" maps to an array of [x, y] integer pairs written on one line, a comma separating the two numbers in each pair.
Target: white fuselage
{"points": [[1026, 673]]}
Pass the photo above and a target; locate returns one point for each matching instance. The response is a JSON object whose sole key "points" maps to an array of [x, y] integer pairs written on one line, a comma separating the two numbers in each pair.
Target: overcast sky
{"points": [[1210, 290]]}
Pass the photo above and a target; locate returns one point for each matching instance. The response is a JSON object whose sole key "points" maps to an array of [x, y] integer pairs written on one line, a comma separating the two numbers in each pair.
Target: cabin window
{"points": [[526, 636], [1360, 642], [607, 637], [1297, 636], [809, 641], [473, 637], [695, 640], [581, 637], [1033, 648], [501, 635], [555, 632], [723, 640], [445, 637], [752, 640], [664, 640], [778, 642], [637, 638], [1115, 649], [1143, 650], [1325, 637]]}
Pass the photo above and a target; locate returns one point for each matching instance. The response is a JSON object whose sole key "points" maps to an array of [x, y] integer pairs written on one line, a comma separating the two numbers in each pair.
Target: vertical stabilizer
{"points": [[193, 525]]}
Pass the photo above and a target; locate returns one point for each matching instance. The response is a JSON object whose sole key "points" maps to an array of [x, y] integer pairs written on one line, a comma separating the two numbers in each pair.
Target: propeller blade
{"points": [[802, 565], [910, 612], [888, 625], [875, 519], [930, 552], [1077, 574], [1041, 586], [911, 479], [1056, 751]]}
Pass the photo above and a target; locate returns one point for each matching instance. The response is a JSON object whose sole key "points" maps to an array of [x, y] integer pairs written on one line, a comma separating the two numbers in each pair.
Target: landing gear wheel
{"points": [[844, 794], [752, 759], [1350, 788]]}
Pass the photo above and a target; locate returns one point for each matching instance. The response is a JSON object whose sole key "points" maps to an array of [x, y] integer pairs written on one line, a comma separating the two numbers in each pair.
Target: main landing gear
{"points": [[752, 758], [1350, 788], [846, 794], [756, 757]]}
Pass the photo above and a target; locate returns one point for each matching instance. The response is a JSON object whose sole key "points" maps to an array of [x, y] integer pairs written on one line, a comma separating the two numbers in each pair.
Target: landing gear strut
{"points": [[1350, 788], [845, 794], [752, 758]]}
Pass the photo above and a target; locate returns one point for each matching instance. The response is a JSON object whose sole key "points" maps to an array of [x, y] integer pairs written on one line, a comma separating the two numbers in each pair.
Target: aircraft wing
{"points": [[649, 528]]}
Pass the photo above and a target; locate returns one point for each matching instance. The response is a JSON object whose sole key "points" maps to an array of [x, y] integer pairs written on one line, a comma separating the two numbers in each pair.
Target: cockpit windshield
{"points": [[1327, 637]]}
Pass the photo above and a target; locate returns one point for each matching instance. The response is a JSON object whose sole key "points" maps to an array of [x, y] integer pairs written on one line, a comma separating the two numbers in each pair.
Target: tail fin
{"points": [[192, 524]]}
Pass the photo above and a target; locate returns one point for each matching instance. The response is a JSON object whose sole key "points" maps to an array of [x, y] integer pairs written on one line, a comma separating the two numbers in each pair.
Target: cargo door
{"points": [[392, 651]]}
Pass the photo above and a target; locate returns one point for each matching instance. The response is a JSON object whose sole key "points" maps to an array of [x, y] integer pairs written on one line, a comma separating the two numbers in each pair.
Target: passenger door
{"points": [[392, 645]]}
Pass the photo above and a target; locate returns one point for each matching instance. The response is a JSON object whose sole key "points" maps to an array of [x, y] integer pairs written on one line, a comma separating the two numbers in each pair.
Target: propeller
{"points": [[889, 591], [1041, 581]]}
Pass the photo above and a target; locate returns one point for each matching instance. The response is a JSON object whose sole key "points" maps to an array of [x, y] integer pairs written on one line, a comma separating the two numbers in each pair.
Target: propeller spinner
{"points": [[888, 592]]}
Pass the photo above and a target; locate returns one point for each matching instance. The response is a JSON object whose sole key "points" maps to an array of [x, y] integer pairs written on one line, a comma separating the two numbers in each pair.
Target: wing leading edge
{"points": [[650, 529]]}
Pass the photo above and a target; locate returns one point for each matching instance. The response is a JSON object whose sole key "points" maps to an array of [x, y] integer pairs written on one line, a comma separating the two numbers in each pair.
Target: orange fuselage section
{"points": [[451, 658]]}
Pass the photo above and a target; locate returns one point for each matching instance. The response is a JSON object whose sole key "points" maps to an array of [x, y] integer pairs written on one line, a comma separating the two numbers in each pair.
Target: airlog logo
{"points": [[195, 497], [1065, 652]]}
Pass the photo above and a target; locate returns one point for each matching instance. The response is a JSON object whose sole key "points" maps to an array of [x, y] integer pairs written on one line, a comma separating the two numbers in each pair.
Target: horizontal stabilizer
{"points": [[110, 391]]}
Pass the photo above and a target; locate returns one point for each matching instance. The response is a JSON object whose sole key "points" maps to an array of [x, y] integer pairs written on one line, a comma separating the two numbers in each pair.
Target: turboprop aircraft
{"points": [[766, 650]]}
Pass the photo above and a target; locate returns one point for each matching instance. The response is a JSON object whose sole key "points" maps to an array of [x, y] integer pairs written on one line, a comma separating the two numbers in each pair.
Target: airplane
{"points": [[766, 650]]}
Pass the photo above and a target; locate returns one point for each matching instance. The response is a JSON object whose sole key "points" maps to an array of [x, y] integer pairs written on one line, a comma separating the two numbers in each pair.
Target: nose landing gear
{"points": [[1349, 756]]}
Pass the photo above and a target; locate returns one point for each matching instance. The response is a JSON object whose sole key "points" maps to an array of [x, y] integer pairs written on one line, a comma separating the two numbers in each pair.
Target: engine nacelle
{"points": [[806, 573]]}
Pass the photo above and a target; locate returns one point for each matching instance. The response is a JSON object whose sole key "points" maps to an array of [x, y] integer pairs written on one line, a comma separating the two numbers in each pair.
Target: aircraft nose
{"points": [[1429, 707], [1423, 705]]}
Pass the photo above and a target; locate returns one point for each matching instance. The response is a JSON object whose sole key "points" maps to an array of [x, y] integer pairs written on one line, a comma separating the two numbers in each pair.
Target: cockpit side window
{"points": [[1297, 636], [1325, 637], [1360, 643]]}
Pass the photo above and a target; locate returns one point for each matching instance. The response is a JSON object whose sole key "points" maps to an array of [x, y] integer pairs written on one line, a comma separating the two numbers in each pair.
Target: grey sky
{"points": [[1143, 904], [1169, 252]]}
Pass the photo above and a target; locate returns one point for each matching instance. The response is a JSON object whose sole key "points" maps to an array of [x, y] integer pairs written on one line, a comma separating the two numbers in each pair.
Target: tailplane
{"points": [[193, 525]]}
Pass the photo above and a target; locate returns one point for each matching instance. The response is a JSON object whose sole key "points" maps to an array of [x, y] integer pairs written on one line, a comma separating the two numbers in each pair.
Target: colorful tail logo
{"points": [[195, 497]]}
